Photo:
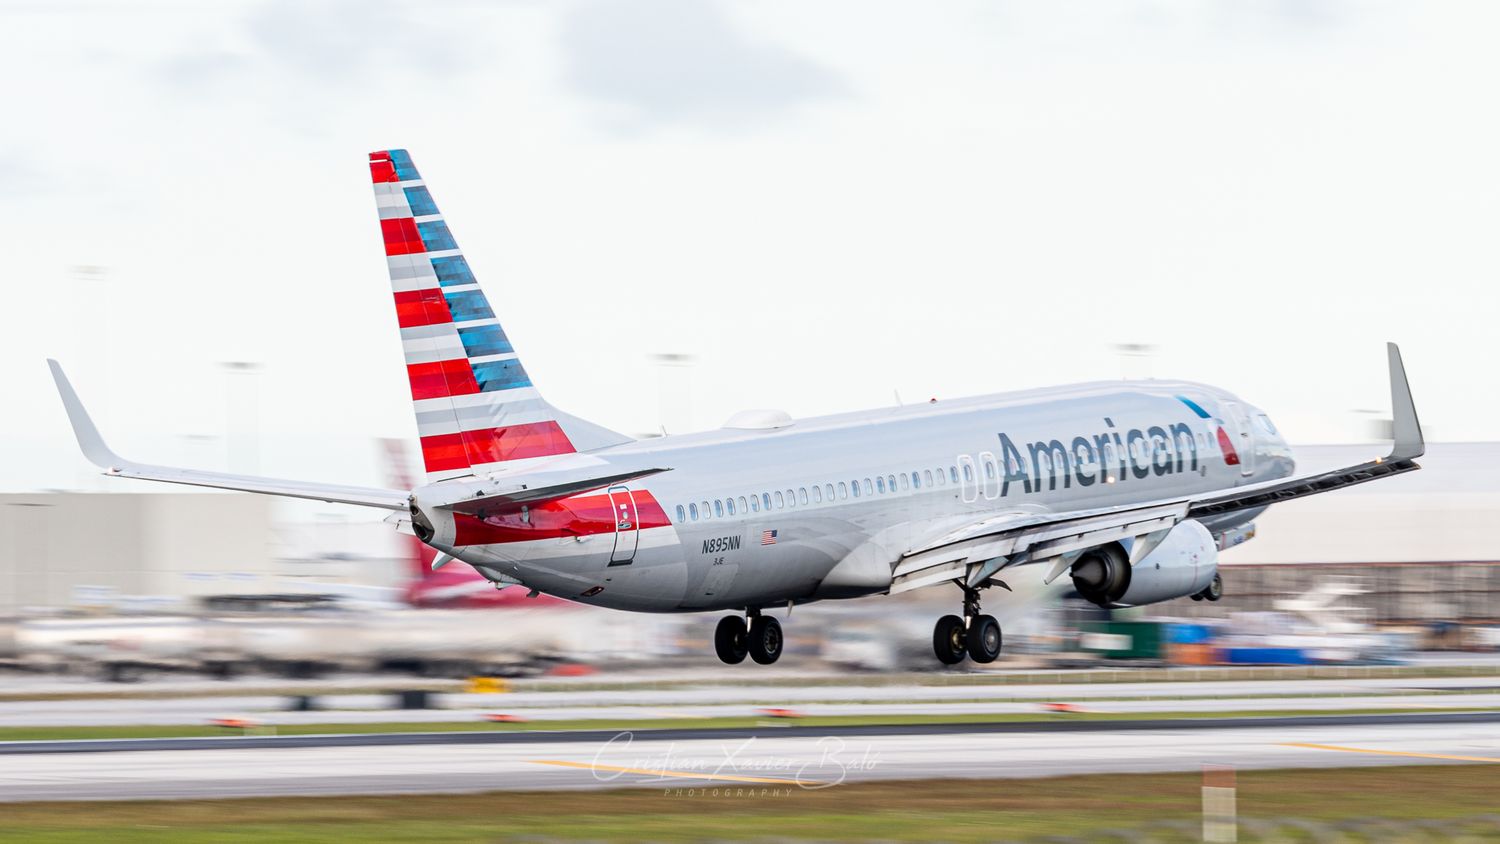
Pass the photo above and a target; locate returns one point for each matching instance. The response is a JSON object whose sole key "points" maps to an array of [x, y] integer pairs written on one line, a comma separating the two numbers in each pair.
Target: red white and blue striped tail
{"points": [[477, 410]]}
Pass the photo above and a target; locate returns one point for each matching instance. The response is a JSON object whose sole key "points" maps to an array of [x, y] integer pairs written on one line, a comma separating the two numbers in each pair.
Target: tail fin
{"points": [[476, 407]]}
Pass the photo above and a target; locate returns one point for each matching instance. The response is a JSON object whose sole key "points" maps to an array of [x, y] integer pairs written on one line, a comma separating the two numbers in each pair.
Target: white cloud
{"points": [[685, 61]]}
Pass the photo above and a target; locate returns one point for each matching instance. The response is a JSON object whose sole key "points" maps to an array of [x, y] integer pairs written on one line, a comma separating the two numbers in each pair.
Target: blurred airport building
{"points": [[1419, 548], [140, 552], [130, 551]]}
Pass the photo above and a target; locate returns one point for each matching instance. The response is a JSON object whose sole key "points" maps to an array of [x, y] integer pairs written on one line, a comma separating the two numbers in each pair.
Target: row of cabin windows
{"points": [[721, 508]]}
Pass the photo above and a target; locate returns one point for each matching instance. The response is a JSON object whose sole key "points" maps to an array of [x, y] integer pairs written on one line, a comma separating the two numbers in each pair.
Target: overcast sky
{"points": [[827, 203]]}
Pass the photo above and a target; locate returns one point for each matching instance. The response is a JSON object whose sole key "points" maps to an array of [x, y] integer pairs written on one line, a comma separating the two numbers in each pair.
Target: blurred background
{"points": [[682, 209]]}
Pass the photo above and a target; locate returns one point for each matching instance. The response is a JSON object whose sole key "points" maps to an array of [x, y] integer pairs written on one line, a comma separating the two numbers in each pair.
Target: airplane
{"points": [[1129, 488]]}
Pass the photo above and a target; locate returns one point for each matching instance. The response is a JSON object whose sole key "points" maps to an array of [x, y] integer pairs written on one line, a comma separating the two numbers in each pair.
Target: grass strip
{"points": [[912, 810]]}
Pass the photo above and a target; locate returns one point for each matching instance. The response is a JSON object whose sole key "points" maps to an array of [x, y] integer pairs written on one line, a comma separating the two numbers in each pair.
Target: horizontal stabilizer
{"points": [[113, 464], [482, 503]]}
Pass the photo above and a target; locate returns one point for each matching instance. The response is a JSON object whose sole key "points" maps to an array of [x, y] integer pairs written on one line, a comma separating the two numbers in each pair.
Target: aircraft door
{"points": [[627, 525], [1241, 436]]}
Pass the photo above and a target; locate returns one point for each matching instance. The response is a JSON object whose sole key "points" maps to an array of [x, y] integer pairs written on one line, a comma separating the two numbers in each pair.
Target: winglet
{"points": [[1405, 429], [83, 427]]}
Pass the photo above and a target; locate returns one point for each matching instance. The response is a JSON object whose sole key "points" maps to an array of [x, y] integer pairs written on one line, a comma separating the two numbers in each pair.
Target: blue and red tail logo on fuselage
{"points": [[1231, 457]]}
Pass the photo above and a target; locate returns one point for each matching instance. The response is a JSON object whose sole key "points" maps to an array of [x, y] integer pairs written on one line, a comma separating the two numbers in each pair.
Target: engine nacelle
{"points": [[1182, 565]]}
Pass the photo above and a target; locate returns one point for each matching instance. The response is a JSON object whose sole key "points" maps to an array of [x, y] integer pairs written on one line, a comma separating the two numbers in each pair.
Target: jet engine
{"points": [[1183, 564]]}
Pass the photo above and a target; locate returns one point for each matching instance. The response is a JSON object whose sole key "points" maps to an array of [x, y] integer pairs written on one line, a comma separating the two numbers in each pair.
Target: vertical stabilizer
{"points": [[477, 409]]}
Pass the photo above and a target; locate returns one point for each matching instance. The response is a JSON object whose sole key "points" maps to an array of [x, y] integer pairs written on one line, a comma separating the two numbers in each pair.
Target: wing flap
{"points": [[1039, 537]]}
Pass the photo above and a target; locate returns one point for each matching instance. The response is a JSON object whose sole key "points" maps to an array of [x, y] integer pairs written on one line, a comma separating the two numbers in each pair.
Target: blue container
{"points": [[1181, 633], [1266, 656]]}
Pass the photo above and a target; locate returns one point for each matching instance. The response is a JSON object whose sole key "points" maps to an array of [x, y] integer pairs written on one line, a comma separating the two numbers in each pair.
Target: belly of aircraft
{"points": [[669, 572]]}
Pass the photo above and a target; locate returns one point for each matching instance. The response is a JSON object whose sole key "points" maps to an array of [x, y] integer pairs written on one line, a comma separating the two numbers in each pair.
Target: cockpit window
{"points": [[1265, 423]]}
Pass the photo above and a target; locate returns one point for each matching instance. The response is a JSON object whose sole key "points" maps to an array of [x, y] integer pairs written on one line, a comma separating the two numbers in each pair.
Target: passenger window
{"points": [[755, 504], [942, 477], [890, 482], [681, 516], [742, 505], [828, 491], [817, 494], [707, 513], [765, 498], [869, 490], [989, 470], [843, 491], [953, 474], [880, 485], [968, 474], [729, 502], [802, 495], [927, 476], [693, 511], [718, 508], [916, 480], [791, 498], [856, 489], [779, 502], [905, 485]]}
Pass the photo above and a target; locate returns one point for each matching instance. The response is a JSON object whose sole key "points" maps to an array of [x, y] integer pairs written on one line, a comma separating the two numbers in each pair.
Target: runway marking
{"points": [[620, 769], [1405, 753]]}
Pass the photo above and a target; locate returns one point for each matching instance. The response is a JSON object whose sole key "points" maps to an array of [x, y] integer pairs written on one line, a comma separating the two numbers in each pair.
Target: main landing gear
{"points": [[976, 636], [760, 639], [1213, 591]]}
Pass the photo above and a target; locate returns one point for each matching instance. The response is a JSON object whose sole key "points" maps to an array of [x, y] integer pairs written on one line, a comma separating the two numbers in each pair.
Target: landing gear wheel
{"points": [[948, 640], [983, 639], [729, 640], [765, 639], [1215, 588], [1197, 596]]}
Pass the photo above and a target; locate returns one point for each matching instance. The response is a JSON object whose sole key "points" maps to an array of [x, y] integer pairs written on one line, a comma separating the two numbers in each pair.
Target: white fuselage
{"points": [[825, 507]]}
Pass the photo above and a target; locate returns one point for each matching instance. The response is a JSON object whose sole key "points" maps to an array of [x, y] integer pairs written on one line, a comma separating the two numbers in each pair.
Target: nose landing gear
{"points": [[761, 639], [976, 635]]}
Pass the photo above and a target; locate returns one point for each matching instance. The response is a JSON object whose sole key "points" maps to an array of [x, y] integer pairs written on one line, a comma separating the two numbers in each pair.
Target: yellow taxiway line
{"points": [[1406, 753]]}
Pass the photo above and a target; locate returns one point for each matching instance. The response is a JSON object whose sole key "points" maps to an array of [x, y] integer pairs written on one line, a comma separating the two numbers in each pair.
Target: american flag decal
{"points": [[768, 537]]}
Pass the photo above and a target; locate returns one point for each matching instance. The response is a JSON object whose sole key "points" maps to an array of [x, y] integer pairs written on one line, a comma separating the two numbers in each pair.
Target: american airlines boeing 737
{"points": [[1128, 488]]}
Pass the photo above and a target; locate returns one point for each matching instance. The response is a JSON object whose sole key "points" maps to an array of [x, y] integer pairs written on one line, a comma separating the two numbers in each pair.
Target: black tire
{"points": [[729, 640], [983, 639], [1215, 589], [948, 640], [765, 639], [1197, 596]]}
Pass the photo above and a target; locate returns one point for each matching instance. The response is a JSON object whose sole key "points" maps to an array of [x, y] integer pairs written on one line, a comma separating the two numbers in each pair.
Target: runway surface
{"points": [[767, 758], [741, 701]]}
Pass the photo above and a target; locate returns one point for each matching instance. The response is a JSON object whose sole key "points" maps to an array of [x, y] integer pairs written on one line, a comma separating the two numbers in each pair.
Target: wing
{"points": [[100, 455], [975, 552]]}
